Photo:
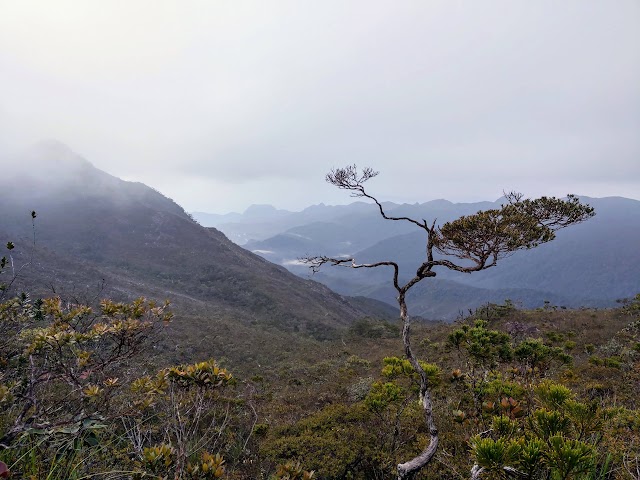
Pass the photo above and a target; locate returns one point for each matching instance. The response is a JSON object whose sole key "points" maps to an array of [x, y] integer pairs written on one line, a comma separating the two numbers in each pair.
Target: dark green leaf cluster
{"points": [[484, 346], [558, 439], [522, 224]]}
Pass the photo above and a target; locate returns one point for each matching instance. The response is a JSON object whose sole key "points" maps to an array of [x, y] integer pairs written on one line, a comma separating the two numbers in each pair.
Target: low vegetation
{"points": [[551, 393], [105, 389]]}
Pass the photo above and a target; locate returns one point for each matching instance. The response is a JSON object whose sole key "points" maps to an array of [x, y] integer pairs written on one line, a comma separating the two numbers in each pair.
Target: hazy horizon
{"points": [[224, 105], [355, 200]]}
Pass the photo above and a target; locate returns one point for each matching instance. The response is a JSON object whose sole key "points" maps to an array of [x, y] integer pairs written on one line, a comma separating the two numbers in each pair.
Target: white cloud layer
{"points": [[223, 104]]}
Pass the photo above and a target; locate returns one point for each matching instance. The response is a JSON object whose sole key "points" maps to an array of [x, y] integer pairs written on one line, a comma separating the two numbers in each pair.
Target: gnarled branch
{"points": [[315, 263], [348, 178]]}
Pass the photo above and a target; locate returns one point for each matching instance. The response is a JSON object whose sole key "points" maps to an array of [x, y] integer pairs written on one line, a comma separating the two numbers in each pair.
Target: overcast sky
{"points": [[222, 104]]}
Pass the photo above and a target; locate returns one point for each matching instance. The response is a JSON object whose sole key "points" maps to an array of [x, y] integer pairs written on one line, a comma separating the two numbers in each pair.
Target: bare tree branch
{"points": [[315, 263], [348, 178]]}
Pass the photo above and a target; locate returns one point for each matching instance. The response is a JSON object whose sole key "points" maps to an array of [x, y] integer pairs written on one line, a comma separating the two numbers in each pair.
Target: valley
{"points": [[591, 265]]}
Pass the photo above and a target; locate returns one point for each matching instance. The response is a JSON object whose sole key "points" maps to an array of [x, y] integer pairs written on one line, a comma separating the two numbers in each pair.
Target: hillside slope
{"points": [[91, 225]]}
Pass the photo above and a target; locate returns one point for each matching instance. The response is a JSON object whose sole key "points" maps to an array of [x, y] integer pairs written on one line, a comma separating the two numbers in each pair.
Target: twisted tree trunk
{"points": [[409, 469]]}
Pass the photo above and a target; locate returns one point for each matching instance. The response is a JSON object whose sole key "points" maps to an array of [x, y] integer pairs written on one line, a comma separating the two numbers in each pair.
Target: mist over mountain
{"points": [[92, 226], [247, 226], [590, 264]]}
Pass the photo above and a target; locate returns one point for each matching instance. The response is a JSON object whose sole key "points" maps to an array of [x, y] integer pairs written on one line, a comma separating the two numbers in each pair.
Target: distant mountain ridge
{"points": [[591, 264], [246, 227]]}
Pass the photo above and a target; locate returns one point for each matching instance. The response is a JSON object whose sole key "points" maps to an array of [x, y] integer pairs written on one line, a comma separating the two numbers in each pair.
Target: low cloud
{"points": [[252, 103]]}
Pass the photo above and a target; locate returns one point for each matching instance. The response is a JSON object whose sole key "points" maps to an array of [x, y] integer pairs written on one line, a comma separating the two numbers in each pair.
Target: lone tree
{"points": [[469, 244]]}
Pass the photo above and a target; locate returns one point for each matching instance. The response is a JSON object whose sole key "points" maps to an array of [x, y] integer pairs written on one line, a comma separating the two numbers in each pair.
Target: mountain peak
{"points": [[264, 212], [52, 145], [51, 157], [260, 208]]}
